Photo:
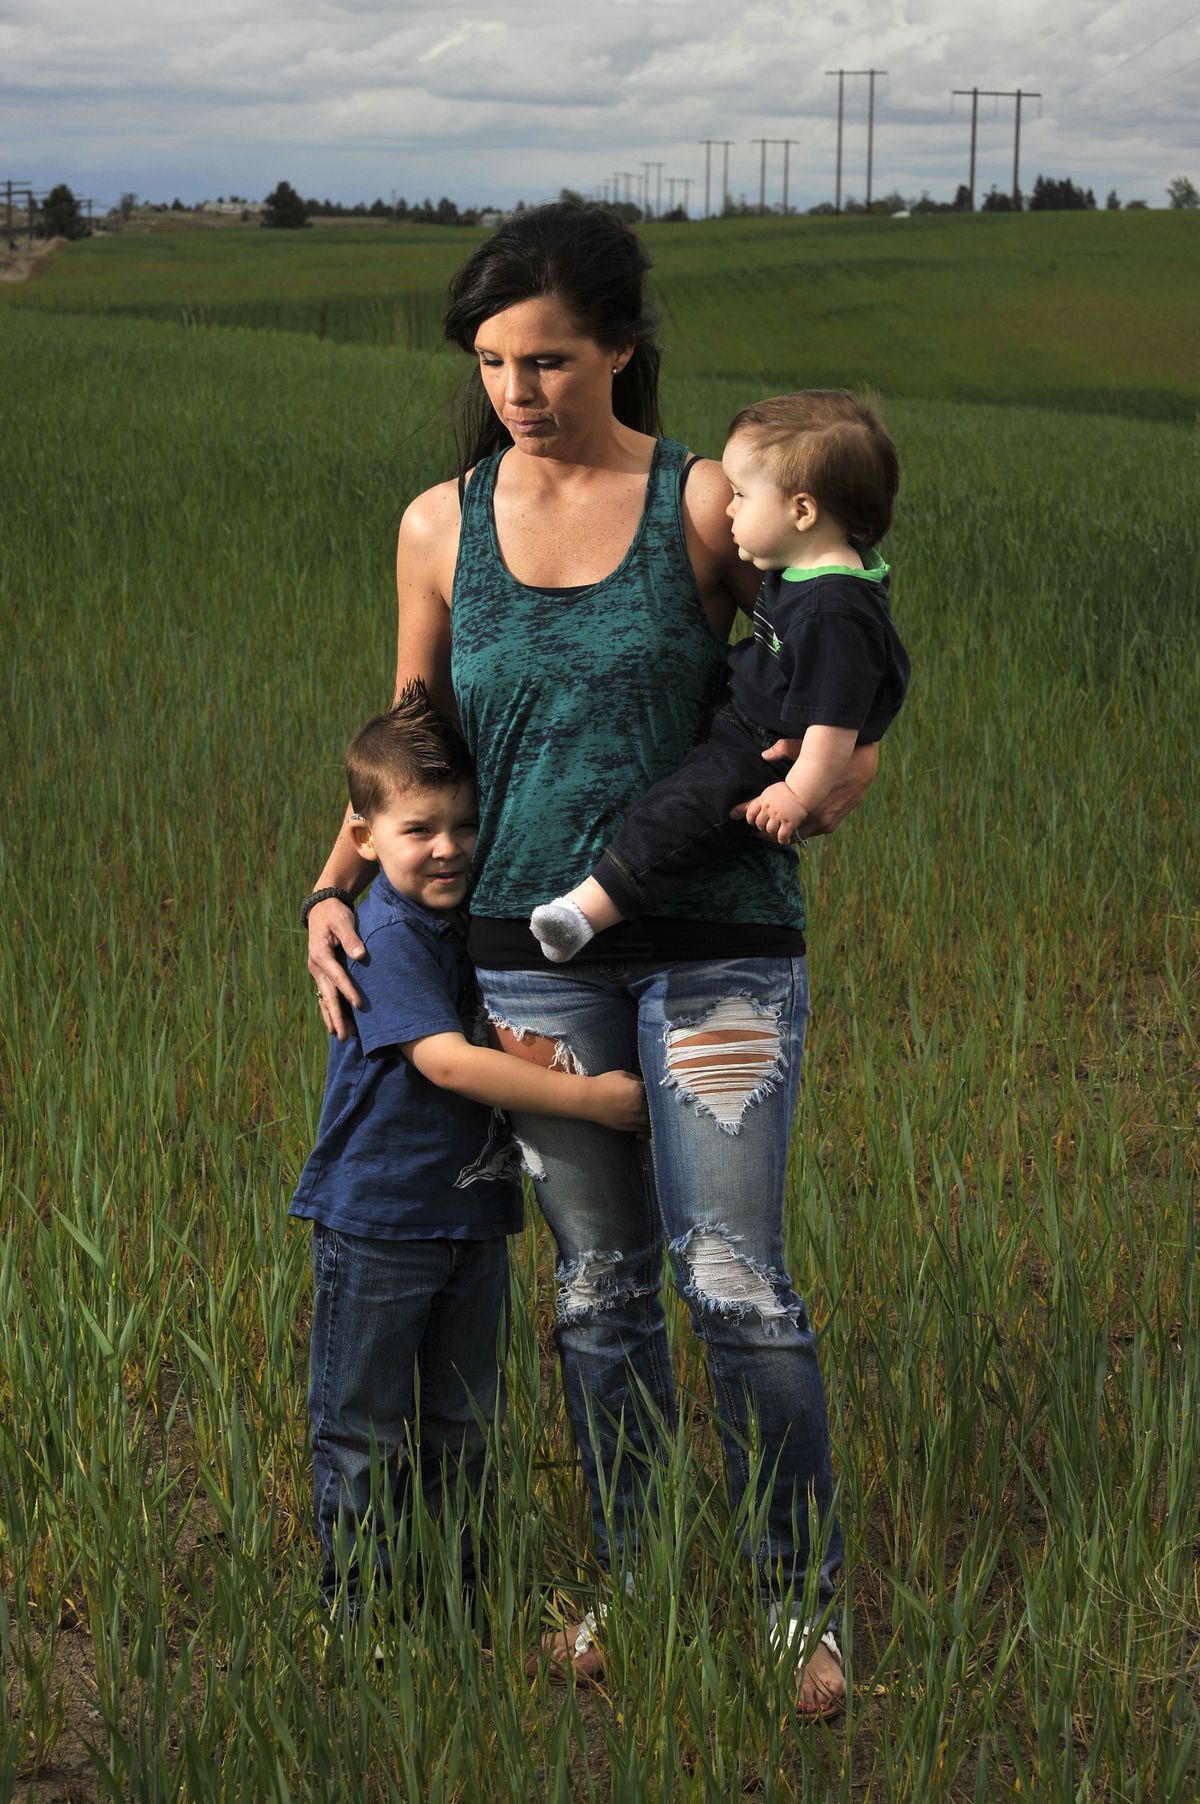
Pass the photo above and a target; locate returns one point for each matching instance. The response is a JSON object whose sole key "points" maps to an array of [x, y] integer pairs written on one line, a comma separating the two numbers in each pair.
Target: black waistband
{"points": [[505, 945]]}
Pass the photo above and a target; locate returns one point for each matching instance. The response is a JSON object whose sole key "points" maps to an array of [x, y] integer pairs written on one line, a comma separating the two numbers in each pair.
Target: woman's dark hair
{"points": [[597, 267]]}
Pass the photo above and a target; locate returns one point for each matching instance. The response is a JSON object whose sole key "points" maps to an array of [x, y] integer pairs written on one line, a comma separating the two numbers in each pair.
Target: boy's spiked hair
{"points": [[827, 443], [412, 746]]}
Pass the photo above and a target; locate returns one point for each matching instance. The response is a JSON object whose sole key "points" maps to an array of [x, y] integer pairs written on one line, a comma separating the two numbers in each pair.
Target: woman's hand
{"points": [[842, 799], [846, 794], [330, 925]]}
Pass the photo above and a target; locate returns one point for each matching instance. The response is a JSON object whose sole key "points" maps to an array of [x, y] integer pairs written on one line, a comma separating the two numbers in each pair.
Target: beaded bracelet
{"points": [[323, 895]]}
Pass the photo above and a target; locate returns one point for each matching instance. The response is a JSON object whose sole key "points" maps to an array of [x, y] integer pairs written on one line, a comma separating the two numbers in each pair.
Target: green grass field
{"points": [[1087, 310], [992, 1209]]}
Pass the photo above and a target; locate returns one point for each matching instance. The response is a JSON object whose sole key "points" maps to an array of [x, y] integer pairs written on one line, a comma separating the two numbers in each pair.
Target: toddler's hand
{"points": [[776, 812], [619, 1101]]}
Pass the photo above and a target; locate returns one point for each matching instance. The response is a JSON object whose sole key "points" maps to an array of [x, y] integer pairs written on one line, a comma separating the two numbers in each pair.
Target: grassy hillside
{"points": [[992, 1203], [1091, 311]]}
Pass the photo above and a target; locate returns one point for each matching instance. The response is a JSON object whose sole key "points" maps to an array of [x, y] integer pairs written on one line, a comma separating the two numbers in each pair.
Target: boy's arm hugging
{"points": [[615, 1099]]}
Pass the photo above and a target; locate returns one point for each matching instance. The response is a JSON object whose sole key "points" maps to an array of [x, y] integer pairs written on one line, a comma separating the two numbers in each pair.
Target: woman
{"points": [[587, 567]]}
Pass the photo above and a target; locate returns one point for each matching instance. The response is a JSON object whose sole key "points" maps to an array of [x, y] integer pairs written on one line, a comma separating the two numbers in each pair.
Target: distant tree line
{"points": [[284, 207], [1047, 195], [60, 216]]}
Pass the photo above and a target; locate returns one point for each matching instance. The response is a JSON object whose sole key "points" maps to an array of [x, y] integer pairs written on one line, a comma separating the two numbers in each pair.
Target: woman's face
{"points": [[549, 383]]}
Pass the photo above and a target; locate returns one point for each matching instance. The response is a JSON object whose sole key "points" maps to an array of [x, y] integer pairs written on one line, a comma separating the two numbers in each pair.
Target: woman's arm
{"points": [[782, 808], [724, 582], [426, 551]]}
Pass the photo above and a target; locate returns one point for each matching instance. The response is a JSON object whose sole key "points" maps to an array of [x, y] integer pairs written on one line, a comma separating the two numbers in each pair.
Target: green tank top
{"points": [[573, 702]]}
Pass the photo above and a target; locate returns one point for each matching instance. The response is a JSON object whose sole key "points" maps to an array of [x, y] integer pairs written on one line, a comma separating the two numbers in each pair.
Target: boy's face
{"points": [[766, 523], [424, 839]]}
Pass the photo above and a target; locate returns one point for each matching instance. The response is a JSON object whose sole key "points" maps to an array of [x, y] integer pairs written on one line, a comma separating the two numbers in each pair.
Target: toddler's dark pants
{"points": [[683, 823]]}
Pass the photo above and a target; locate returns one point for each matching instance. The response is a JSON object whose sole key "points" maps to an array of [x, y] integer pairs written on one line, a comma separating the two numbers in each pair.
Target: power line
{"points": [[1117, 100], [1132, 56]]}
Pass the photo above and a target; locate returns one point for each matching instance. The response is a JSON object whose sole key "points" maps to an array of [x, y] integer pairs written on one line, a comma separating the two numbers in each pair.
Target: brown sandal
{"points": [[797, 1634], [573, 1652]]}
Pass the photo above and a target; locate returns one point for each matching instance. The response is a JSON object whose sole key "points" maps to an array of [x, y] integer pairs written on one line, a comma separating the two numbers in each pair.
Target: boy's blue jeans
{"points": [[719, 1045], [385, 1314]]}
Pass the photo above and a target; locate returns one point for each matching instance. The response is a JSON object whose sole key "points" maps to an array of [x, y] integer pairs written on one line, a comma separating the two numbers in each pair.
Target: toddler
{"points": [[814, 476]]}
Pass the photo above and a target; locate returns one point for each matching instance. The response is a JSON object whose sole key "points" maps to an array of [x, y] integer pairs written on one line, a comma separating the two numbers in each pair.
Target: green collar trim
{"points": [[873, 571]]}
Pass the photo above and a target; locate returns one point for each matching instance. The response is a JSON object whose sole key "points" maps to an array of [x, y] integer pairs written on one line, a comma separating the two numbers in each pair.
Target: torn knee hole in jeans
{"points": [[725, 1061], [594, 1282], [562, 1057], [727, 1282]]}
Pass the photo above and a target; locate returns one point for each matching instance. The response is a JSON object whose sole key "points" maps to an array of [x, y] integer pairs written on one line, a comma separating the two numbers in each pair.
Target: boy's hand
{"points": [[618, 1100], [776, 812]]}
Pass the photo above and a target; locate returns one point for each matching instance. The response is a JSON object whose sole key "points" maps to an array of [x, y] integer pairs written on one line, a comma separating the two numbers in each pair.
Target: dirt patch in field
{"points": [[19, 258]]}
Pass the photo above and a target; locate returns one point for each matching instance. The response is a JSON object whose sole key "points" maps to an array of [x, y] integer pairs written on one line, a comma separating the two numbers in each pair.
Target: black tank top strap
{"points": [[687, 469]]}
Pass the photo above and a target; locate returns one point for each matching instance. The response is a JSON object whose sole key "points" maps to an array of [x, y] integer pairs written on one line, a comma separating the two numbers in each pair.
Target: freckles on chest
{"points": [[565, 546]]}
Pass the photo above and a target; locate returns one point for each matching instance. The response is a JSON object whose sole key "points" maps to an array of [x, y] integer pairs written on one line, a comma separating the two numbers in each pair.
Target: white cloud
{"points": [[353, 97]]}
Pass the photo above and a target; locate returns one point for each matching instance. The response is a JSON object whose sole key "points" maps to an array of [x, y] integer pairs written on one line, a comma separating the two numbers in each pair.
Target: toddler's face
{"points": [[764, 520], [424, 839]]}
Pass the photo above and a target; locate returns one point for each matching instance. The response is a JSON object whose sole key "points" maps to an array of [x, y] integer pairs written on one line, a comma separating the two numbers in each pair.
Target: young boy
{"points": [[413, 1185], [814, 476]]}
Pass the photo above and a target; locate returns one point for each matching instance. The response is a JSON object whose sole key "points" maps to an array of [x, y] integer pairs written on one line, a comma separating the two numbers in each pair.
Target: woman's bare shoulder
{"points": [[427, 515], [705, 498], [725, 584]]}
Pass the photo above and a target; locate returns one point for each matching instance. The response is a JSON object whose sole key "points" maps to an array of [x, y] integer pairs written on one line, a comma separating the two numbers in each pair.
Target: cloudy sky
{"points": [[517, 98]]}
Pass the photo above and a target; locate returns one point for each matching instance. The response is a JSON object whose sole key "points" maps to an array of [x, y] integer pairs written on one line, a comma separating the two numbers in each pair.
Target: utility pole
{"points": [[762, 185], [841, 75], [657, 188], [762, 177], [974, 93], [725, 177], [708, 144], [871, 128], [18, 190], [787, 144], [1014, 94], [646, 189], [1017, 150], [679, 181]]}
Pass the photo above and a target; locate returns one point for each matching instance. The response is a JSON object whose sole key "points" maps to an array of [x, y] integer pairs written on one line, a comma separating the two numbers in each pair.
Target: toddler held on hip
{"points": [[814, 477]]}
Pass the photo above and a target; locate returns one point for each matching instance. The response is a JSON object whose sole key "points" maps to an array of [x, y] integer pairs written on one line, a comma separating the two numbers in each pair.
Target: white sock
{"points": [[562, 927]]}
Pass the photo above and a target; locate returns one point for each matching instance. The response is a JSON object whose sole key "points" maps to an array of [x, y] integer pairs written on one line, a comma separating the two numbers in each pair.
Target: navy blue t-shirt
{"points": [[398, 1158], [824, 652]]}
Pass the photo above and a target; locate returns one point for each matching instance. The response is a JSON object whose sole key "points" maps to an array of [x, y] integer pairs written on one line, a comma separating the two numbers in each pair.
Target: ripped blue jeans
{"points": [[719, 1044]]}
